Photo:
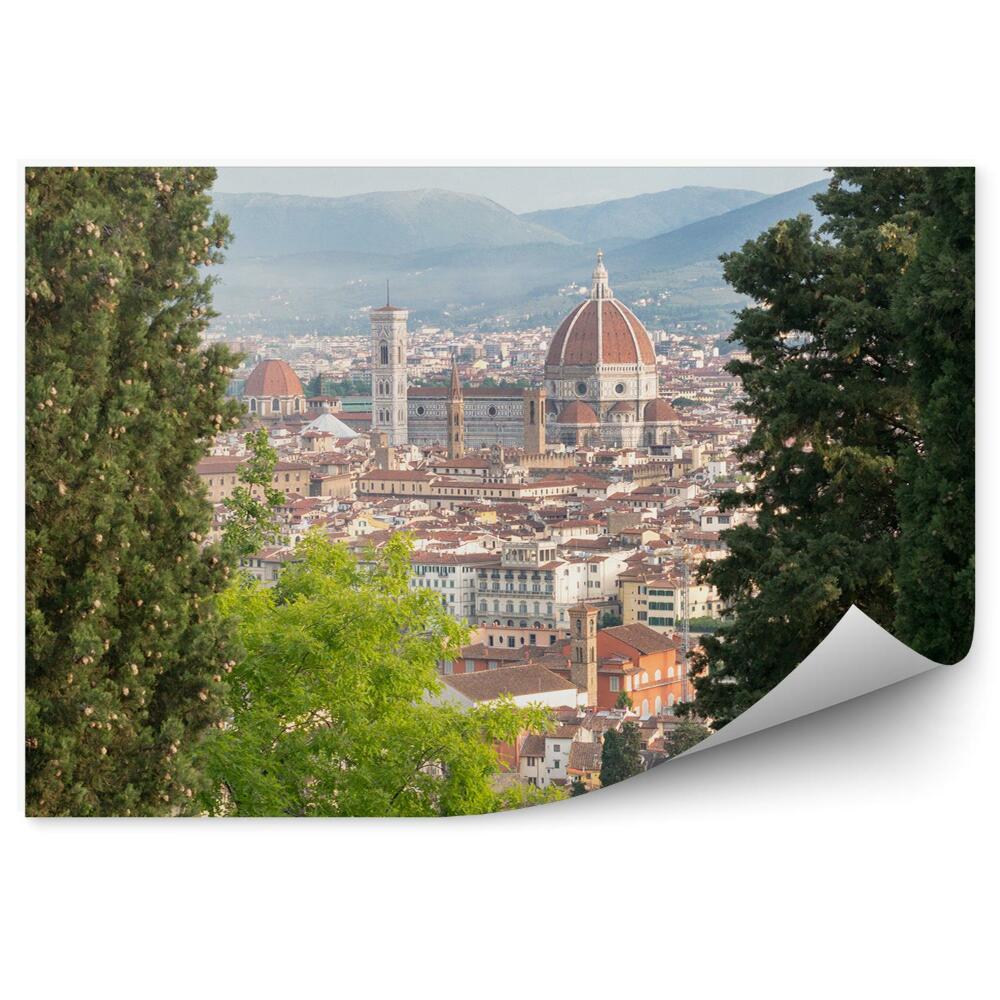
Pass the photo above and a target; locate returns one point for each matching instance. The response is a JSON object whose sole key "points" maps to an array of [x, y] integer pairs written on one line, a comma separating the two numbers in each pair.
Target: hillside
{"points": [[675, 277], [707, 239], [390, 222], [642, 216]]}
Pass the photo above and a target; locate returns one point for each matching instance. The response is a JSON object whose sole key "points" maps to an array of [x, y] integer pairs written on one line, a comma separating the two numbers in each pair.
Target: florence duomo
{"points": [[599, 387]]}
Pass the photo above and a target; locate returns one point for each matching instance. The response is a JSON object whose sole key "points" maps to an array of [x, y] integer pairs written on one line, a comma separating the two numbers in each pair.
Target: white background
{"points": [[849, 854]]}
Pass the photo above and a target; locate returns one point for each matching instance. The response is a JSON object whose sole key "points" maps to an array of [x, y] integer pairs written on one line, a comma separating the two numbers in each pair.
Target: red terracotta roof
{"points": [[601, 323], [273, 378], [577, 412], [660, 411]]}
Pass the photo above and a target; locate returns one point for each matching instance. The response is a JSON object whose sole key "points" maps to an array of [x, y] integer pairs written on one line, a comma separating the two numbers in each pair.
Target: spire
{"points": [[600, 289], [456, 386], [387, 293]]}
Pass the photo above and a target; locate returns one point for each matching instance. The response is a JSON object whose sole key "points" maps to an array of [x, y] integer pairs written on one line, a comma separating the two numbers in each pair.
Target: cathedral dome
{"points": [[577, 413], [601, 330], [273, 378], [659, 411]]}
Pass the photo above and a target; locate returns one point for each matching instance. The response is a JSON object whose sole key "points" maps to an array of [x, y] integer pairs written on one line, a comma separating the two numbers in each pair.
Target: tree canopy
{"points": [[333, 708], [620, 757], [124, 648], [860, 382]]}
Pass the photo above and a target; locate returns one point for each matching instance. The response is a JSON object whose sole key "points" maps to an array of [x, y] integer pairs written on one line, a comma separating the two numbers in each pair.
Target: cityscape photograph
{"points": [[413, 491]]}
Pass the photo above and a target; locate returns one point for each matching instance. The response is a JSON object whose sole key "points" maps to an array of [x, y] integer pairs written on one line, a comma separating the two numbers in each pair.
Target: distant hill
{"points": [[642, 216], [383, 222], [673, 277], [707, 239]]}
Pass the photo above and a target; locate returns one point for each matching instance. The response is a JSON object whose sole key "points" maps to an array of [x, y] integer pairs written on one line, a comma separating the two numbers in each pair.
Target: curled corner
{"points": [[857, 657]]}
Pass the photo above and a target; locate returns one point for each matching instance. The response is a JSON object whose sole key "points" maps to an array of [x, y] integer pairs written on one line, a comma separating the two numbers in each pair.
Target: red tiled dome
{"points": [[273, 378], [659, 411], [577, 413], [601, 331], [622, 407]]}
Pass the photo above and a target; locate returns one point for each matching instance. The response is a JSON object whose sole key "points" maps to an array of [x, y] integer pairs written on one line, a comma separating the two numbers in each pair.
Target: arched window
{"points": [[297, 404], [276, 405], [658, 704], [670, 671], [384, 354], [645, 678], [657, 676], [645, 708], [670, 701], [253, 405]]}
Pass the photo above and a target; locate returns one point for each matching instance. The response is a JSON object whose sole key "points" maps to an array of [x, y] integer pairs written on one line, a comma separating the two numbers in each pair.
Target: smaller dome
{"points": [[273, 378], [659, 411], [577, 413], [622, 407]]}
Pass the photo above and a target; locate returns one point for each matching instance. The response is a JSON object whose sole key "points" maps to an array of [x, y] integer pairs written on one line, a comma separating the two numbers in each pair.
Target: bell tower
{"points": [[456, 415], [389, 371], [583, 649], [534, 421]]}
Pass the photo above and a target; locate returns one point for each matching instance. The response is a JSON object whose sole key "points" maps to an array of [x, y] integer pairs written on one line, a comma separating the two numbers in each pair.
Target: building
{"points": [[273, 391], [600, 376], [389, 344], [220, 475]]}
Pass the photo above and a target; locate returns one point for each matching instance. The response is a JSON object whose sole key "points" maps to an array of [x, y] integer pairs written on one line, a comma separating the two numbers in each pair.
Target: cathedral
{"points": [[600, 388]]}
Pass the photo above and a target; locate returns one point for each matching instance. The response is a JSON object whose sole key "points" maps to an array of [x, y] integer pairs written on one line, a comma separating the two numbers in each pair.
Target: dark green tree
{"points": [[125, 650], [577, 787], [830, 385], [686, 734], [620, 757], [935, 306]]}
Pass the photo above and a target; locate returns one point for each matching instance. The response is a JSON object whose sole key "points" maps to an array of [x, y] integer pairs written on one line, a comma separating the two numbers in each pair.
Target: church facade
{"points": [[600, 388]]}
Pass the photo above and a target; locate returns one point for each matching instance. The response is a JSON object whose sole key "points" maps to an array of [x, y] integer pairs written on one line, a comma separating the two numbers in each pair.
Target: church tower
{"points": [[534, 421], [456, 415], [389, 371], [583, 649]]}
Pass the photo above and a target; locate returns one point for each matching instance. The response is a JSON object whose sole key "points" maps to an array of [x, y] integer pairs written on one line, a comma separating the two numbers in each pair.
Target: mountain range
{"points": [[300, 263]]}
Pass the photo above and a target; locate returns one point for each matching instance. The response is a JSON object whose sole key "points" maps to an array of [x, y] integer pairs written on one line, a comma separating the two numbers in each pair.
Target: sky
{"points": [[520, 189]]}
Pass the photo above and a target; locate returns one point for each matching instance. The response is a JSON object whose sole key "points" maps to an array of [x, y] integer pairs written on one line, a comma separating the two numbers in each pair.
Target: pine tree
{"points": [[936, 308], [833, 384], [620, 757], [125, 649]]}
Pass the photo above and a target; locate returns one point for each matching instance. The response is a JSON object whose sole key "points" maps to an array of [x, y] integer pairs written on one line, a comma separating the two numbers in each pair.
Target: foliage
{"points": [[124, 649], [624, 700], [577, 787], [936, 308], [252, 523], [840, 425], [609, 619], [686, 734], [330, 704], [683, 401], [620, 758]]}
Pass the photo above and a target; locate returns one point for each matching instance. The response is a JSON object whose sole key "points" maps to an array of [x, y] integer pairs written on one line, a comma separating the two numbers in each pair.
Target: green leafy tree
{"points": [[332, 710], [624, 700], [935, 307], [252, 523], [620, 757], [577, 787], [124, 648], [686, 734]]}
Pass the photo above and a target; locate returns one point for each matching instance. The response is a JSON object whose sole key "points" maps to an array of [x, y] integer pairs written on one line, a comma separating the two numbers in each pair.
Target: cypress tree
{"points": [[620, 757], [936, 307], [124, 649]]}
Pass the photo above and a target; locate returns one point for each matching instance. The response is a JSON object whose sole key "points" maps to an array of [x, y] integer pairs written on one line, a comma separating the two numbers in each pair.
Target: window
{"points": [[275, 405], [384, 354], [615, 683], [657, 676], [556, 749]]}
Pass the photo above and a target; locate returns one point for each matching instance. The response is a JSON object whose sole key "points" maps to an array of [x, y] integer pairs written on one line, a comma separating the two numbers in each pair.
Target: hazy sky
{"points": [[521, 189]]}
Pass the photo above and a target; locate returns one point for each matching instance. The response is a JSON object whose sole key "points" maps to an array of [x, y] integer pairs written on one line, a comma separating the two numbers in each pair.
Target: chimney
{"points": [[583, 649]]}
